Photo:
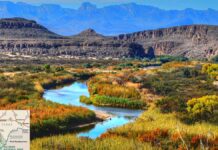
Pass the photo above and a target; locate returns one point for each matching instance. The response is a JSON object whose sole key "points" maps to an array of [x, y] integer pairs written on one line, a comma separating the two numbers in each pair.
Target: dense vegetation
{"points": [[117, 102], [49, 118], [211, 70], [181, 100], [177, 86], [203, 108], [73, 142], [165, 131], [111, 92], [22, 87], [15, 88], [166, 58], [85, 99], [185, 114]]}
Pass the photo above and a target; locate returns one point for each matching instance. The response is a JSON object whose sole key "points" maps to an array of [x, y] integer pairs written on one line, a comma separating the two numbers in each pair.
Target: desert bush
{"points": [[171, 104], [114, 91], [155, 136], [58, 69], [190, 72], [47, 67], [15, 89], [125, 65], [87, 65], [203, 108], [179, 83], [83, 75], [85, 99], [211, 69], [166, 131], [55, 81], [117, 102], [71, 141]]}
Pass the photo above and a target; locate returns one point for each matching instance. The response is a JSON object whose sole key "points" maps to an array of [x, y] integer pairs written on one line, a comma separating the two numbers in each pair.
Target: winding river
{"points": [[70, 95]]}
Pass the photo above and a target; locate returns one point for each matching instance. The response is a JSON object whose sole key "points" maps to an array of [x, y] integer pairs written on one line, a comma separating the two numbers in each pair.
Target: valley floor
{"points": [[180, 102]]}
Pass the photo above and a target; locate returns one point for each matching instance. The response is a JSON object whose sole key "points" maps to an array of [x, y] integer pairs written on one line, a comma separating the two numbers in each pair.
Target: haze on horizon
{"points": [[163, 4], [110, 20]]}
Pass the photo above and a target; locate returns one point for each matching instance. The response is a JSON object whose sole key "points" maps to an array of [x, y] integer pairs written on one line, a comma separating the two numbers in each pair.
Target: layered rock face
{"points": [[19, 28], [24, 37], [69, 48], [196, 41]]}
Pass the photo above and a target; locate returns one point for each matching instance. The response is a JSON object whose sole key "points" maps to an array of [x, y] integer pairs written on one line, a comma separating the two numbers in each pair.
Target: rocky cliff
{"points": [[195, 41], [24, 37], [19, 28]]}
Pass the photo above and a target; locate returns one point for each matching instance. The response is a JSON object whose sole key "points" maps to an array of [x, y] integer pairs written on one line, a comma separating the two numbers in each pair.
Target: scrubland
{"points": [[179, 99]]}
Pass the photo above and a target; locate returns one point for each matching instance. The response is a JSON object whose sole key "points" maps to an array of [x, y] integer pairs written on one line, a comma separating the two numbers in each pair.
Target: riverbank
{"points": [[102, 115], [105, 117]]}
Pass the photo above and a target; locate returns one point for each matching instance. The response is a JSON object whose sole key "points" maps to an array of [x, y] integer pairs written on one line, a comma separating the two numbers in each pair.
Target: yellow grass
{"points": [[73, 142], [153, 119]]}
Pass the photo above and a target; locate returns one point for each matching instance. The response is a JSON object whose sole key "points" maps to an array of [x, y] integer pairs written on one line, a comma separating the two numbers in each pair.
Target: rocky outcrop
{"points": [[17, 28], [70, 48], [195, 41], [25, 37]]}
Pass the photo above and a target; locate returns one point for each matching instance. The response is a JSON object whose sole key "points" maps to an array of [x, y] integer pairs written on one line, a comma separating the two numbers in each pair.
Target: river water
{"points": [[70, 95]]}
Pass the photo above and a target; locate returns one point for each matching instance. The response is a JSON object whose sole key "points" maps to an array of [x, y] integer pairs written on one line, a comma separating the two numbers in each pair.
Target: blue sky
{"points": [[164, 4]]}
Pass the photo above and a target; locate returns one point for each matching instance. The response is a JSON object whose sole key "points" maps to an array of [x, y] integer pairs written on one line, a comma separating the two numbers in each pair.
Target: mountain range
{"points": [[22, 37], [109, 20]]}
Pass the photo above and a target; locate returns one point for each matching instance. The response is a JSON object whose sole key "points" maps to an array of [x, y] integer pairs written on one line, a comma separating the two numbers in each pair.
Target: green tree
{"points": [[47, 67], [58, 69], [85, 99], [87, 65]]}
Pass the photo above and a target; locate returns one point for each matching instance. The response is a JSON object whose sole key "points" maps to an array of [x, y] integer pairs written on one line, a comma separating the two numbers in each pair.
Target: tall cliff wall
{"points": [[26, 37]]}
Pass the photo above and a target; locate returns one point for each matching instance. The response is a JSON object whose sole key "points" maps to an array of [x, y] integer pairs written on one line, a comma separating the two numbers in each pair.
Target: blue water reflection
{"points": [[70, 95]]}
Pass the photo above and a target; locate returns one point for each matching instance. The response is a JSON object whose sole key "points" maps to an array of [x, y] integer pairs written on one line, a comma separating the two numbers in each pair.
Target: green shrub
{"points": [[190, 72], [211, 70], [83, 75], [87, 65], [117, 102], [47, 67], [171, 104], [58, 69], [37, 69], [167, 58], [113, 90], [125, 65], [180, 83], [85, 99], [203, 108]]}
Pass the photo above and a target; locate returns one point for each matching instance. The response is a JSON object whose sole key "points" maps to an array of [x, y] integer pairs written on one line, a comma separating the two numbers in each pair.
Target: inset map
{"points": [[14, 129]]}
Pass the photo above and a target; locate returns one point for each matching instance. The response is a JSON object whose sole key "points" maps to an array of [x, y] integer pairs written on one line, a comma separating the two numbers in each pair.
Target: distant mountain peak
{"points": [[89, 32], [87, 6], [107, 20]]}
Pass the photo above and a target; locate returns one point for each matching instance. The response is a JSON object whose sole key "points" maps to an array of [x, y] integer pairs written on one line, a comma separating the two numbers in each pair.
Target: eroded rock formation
{"points": [[25, 37]]}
